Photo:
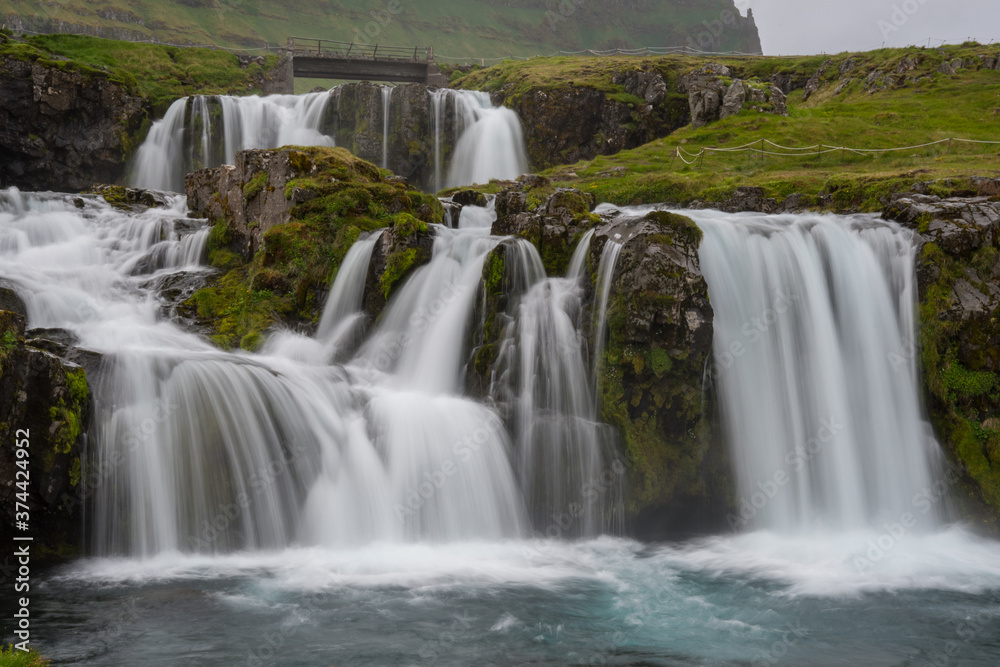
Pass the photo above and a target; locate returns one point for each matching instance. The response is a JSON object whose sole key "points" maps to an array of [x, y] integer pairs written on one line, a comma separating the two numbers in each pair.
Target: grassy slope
{"points": [[160, 73], [966, 105], [482, 28]]}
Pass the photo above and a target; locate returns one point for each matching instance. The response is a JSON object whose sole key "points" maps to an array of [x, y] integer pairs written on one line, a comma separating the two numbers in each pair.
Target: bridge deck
{"points": [[328, 59]]}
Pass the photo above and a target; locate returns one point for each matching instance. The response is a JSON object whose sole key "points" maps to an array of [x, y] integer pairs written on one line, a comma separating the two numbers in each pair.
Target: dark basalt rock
{"points": [[61, 129]]}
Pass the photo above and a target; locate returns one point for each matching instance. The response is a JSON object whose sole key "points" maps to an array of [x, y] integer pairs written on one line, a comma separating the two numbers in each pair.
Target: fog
{"points": [[808, 27]]}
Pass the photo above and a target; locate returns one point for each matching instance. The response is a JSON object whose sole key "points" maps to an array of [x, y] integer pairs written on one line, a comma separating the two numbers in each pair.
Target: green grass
{"points": [[161, 73], [11, 657], [478, 28], [937, 107]]}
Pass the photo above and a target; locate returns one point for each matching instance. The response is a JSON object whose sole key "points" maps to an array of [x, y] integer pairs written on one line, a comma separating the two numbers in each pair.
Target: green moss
{"points": [[659, 361], [398, 266], [962, 383], [406, 225], [74, 473], [494, 273], [76, 381], [256, 185], [297, 259]]}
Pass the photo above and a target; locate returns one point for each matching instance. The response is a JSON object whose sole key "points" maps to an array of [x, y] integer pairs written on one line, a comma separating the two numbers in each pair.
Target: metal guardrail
{"points": [[327, 48]]}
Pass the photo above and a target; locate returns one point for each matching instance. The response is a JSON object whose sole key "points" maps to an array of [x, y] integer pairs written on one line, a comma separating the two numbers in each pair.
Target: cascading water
{"points": [[490, 145], [439, 99], [386, 104], [206, 131], [813, 314], [276, 496], [543, 371], [247, 122]]}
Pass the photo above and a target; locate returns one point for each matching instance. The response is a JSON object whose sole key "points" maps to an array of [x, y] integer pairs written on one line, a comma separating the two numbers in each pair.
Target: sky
{"points": [[804, 27]]}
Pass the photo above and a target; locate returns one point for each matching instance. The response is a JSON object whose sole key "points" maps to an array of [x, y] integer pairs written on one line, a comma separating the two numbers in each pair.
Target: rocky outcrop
{"points": [[63, 128], [283, 220], [567, 124], [249, 195], [958, 273], [713, 95], [554, 225], [354, 118], [659, 340], [44, 402]]}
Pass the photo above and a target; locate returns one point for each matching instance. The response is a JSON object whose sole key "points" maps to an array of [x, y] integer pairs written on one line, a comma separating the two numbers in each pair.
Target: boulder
{"points": [[659, 340], [470, 198], [44, 398]]}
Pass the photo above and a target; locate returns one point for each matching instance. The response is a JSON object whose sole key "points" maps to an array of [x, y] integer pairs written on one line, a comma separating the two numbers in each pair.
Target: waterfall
{"points": [[480, 142], [544, 369], [490, 145], [247, 122], [342, 312], [159, 162], [439, 99], [812, 317], [386, 101], [605, 274]]}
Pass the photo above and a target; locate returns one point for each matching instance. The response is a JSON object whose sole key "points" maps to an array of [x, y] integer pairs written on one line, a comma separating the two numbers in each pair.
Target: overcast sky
{"points": [[800, 27]]}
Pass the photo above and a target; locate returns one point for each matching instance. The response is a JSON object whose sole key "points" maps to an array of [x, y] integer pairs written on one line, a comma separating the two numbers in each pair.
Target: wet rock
{"points": [[470, 198], [10, 301], [959, 226], [47, 397], [128, 199], [659, 341], [61, 129], [452, 214], [554, 226]]}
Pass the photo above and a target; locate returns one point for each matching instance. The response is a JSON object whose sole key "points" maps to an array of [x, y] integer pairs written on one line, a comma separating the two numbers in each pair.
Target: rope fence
{"points": [[758, 148]]}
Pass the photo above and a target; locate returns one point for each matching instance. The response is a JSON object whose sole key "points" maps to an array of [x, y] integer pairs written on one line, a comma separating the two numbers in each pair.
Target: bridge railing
{"points": [[328, 48]]}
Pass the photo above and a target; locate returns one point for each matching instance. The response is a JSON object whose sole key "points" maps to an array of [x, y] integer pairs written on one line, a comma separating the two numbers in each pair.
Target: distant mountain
{"points": [[454, 28]]}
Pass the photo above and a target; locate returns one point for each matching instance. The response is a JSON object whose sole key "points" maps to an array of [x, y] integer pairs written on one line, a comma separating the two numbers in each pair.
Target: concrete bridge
{"points": [[327, 59]]}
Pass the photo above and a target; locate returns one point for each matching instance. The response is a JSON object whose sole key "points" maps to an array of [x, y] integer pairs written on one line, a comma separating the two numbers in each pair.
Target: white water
{"points": [[247, 122], [491, 144], [342, 316], [488, 142], [381, 505], [816, 368], [200, 450], [438, 100], [605, 274], [386, 102]]}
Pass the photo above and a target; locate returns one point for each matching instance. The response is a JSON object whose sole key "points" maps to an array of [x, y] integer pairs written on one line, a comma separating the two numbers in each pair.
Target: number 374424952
{"points": [[22, 476]]}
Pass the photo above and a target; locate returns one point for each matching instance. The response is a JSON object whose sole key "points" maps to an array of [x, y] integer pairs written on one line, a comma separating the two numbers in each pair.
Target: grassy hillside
{"points": [[482, 28], [925, 106], [160, 73]]}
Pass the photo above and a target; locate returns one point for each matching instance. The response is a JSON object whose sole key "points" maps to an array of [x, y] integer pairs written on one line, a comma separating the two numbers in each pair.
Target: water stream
{"points": [[343, 499]]}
